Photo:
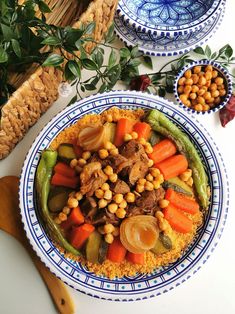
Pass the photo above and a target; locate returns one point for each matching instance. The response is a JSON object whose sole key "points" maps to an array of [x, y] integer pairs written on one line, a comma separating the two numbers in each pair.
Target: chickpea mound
{"points": [[201, 88]]}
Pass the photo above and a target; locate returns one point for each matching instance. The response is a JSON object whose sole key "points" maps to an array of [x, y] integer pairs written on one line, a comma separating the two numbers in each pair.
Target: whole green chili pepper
{"points": [[160, 123], [43, 177]]}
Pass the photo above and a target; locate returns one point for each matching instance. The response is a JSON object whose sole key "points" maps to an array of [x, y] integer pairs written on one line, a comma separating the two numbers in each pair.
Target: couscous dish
{"points": [[122, 192]]}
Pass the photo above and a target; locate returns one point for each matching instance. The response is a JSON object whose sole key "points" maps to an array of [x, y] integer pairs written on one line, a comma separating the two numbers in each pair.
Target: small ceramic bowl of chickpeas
{"points": [[203, 87]]}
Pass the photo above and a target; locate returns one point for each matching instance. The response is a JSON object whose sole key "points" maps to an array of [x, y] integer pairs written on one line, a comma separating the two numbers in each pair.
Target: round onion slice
{"points": [[139, 234], [92, 137]]}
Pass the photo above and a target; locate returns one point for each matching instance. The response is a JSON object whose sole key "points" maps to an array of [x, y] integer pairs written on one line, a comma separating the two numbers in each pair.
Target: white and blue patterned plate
{"points": [[169, 17], [165, 45], [140, 286]]}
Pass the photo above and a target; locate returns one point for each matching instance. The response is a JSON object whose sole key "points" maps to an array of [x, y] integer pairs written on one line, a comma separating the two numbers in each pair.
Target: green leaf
{"points": [[3, 55], [74, 68], [90, 28], [90, 87], [7, 32], [134, 62], [156, 78], [53, 60], [213, 56], [148, 62], [161, 92], [103, 88], [208, 51], [229, 51], [135, 53], [199, 51], [110, 34], [114, 73], [112, 59], [82, 88], [43, 7], [98, 58], [95, 80], [73, 100], [16, 47], [124, 53], [89, 64], [51, 41]]}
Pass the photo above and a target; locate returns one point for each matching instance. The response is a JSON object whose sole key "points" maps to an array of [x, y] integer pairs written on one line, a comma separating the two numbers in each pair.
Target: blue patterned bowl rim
{"points": [[146, 27], [174, 51], [223, 72], [137, 287]]}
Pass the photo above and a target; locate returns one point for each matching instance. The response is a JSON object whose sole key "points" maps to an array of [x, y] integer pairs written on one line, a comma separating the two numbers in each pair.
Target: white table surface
{"points": [[210, 291]]}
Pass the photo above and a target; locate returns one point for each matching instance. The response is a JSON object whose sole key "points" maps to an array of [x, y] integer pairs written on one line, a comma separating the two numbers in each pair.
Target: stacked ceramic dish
{"points": [[167, 27]]}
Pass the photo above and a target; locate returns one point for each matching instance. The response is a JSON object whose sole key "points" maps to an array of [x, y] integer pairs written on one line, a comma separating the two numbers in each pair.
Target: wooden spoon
{"points": [[10, 222]]}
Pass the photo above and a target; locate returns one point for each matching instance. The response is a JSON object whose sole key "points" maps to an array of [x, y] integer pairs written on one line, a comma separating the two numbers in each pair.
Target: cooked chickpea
{"points": [[219, 80], [78, 196], [108, 170], [139, 188], [188, 103], [118, 198], [142, 141], [148, 148], [114, 152], [72, 202], [66, 210], [78, 169], [123, 204], [103, 153], [180, 89], [113, 177], [121, 213], [162, 225], [81, 162], [222, 92], [193, 96], [197, 69], [73, 163], [202, 81], [116, 232], [185, 175], [215, 93], [149, 177], [127, 137], [148, 186], [209, 68], [102, 203], [214, 74], [213, 87], [198, 107], [130, 197], [159, 214], [105, 186], [189, 81], [142, 181], [207, 95], [187, 89], [108, 195], [195, 89], [109, 118], [201, 100], [201, 92], [99, 193], [195, 78], [57, 220], [190, 181], [109, 238], [108, 228], [201, 74], [86, 155], [156, 184], [211, 100], [208, 84], [134, 135], [219, 87], [208, 75], [155, 172], [183, 98], [150, 163], [108, 145], [188, 74], [217, 100], [182, 81], [206, 107], [194, 102], [62, 216], [163, 203], [112, 208]]}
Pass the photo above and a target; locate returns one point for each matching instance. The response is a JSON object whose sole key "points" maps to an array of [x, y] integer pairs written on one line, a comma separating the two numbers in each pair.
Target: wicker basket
{"points": [[37, 89]]}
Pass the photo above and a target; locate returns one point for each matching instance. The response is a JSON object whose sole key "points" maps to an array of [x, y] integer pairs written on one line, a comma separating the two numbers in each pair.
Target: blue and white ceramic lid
{"points": [[169, 17], [165, 45], [140, 286]]}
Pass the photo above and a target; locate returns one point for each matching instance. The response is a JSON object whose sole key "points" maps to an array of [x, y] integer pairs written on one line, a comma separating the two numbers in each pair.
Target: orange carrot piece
{"points": [[162, 150], [116, 251], [172, 166], [60, 180], [143, 129], [135, 258], [64, 169], [124, 126], [79, 235], [75, 218], [182, 202], [176, 218]]}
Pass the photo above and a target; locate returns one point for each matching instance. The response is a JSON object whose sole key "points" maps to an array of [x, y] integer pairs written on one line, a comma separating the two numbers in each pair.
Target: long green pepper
{"points": [[160, 123], [43, 177]]}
